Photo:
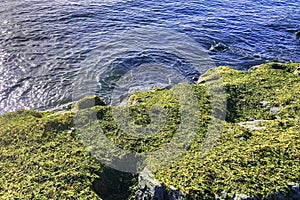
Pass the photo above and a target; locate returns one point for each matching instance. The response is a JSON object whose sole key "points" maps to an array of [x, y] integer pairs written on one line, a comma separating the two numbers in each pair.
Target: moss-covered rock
{"points": [[258, 162], [257, 153], [88, 102], [41, 160]]}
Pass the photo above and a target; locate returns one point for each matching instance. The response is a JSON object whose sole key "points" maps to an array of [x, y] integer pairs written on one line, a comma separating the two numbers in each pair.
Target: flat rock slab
{"points": [[253, 125]]}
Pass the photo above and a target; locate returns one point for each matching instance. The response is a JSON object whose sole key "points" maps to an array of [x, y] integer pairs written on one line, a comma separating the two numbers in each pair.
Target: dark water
{"points": [[52, 52]]}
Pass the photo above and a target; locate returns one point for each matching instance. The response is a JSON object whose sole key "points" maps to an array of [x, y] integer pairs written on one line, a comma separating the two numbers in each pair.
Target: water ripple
{"points": [[45, 46]]}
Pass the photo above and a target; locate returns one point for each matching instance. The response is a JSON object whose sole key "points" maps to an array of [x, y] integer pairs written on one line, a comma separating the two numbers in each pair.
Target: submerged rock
{"points": [[218, 46], [297, 34]]}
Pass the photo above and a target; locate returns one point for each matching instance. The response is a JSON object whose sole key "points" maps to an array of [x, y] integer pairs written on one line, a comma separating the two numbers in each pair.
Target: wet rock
{"points": [[195, 78], [218, 46], [297, 33], [63, 107], [88, 102], [294, 193]]}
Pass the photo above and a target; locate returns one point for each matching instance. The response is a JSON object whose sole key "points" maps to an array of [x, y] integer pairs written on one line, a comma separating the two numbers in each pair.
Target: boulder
{"points": [[150, 188], [88, 102]]}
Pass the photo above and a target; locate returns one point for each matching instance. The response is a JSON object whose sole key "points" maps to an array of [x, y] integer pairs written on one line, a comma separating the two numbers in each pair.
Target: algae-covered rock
{"points": [[264, 161], [256, 151], [41, 160], [89, 101]]}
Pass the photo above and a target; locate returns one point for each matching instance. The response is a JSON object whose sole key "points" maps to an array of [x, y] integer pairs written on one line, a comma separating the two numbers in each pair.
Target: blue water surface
{"points": [[49, 47]]}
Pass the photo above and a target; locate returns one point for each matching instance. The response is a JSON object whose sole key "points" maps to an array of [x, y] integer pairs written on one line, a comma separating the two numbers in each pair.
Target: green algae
{"points": [[257, 163], [41, 159]]}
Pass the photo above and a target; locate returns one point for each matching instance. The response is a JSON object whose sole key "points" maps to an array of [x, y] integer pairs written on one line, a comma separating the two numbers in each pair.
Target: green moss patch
{"points": [[257, 153], [256, 162], [41, 160]]}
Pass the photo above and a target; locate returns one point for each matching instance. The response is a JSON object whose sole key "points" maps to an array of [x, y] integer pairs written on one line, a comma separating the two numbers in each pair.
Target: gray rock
{"points": [[274, 110], [242, 197], [149, 187], [252, 125], [88, 102], [265, 103], [218, 46]]}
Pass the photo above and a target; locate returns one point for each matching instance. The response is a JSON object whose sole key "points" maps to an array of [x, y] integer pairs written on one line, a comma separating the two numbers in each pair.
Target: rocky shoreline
{"points": [[257, 155]]}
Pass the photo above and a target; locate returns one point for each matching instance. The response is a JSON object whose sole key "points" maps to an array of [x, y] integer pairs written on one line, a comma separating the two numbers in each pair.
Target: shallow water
{"points": [[53, 52]]}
